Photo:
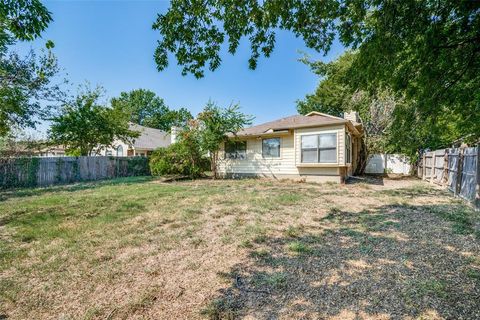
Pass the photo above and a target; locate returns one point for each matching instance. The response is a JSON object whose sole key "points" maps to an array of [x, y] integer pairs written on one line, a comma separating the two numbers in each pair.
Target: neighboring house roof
{"points": [[149, 138], [56, 148], [313, 119]]}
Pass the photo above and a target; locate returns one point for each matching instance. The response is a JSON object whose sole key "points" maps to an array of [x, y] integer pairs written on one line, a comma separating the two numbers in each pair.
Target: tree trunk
{"points": [[362, 158], [213, 164]]}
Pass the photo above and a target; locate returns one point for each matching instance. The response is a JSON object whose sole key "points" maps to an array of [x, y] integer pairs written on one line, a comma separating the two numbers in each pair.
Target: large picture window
{"points": [[236, 149], [319, 148], [271, 148]]}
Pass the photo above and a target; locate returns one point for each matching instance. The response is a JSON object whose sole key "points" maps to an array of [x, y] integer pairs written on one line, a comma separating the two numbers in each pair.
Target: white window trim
{"points": [[281, 149], [316, 134]]}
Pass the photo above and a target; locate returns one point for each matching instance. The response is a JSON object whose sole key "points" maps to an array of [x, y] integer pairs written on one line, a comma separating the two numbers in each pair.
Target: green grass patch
{"points": [[220, 309], [473, 273], [288, 198], [431, 287], [460, 215], [276, 280], [293, 231], [299, 247]]}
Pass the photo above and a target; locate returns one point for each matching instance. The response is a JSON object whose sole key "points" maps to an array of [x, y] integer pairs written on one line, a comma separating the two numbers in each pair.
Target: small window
{"points": [[236, 150], [119, 151], [271, 148], [319, 148], [348, 148], [108, 153]]}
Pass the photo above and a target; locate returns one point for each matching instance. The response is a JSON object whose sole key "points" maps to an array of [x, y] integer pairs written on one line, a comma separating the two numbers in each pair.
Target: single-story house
{"points": [[314, 147], [149, 140], [51, 151]]}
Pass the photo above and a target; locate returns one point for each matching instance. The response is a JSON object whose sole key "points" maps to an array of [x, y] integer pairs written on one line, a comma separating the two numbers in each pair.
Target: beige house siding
{"points": [[288, 165], [256, 164]]}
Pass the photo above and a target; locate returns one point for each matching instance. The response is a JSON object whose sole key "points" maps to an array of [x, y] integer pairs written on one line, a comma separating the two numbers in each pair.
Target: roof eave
{"points": [[256, 134]]}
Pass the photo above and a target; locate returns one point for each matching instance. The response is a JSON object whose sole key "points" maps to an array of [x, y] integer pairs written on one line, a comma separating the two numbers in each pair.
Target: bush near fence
{"points": [[34, 171], [456, 168]]}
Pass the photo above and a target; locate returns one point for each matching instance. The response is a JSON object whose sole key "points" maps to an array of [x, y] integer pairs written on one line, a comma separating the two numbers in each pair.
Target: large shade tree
{"points": [[334, 95], [392, 122], [427, 51], [22, 20], [27, 87], [147, 109], [85, 126]]}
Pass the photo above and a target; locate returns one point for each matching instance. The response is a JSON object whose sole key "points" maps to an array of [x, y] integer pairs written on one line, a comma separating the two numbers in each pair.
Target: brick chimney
{"points": [[352, 116]]}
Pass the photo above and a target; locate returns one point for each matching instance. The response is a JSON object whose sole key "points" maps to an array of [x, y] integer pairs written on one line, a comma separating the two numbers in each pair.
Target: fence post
{"points": [[458, 185], [423, 166], [434, 165], [477, 196], [445, 168]]}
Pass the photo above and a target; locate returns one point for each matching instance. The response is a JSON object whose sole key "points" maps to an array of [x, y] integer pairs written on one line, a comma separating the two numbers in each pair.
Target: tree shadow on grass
{"points": [[367, 180], [388, 262], [79, 186]]}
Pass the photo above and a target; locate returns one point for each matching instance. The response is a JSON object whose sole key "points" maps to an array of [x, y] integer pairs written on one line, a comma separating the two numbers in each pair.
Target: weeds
{"points": [[293, 232], [429, 287], [220, 309], [299, 247]]}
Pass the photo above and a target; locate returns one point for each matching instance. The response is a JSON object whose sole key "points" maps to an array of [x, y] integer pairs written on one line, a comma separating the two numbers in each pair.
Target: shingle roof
{"points": [[150, 138], [297, 121]]}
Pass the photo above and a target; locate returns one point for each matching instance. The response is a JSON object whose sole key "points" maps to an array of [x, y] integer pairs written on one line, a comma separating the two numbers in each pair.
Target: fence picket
{"points": [[477, 196], [457, 168]]}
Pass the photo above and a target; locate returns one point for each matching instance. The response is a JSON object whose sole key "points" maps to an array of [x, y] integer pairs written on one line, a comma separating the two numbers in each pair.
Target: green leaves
{"points": [[146, 109], [26, 90], [22, 20], [25, 82], [217, 122], [49, 44], [181, 158], [194, 31], [85, 126], [426, 52], [202, 136], [212, 126]]}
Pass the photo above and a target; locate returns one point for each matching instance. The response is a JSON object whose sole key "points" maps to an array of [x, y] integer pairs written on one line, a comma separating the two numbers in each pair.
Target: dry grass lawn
{"points": [[252, 249]]}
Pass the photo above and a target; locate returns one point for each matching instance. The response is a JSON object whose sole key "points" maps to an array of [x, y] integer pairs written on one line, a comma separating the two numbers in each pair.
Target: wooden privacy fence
{"points": [[32, 172], [456, 168]]}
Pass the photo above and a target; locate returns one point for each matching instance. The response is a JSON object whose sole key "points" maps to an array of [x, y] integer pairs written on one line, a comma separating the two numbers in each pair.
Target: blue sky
{"points": [[111, 43]]}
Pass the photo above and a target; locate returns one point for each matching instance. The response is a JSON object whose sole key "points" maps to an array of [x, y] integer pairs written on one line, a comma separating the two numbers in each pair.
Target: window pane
{"points": [[241, 147], [348, 148], [229, 147], [120, 151], [309, 141], [235, 149], [271, 147], [328, 155], [328, 140], [309, 155]]}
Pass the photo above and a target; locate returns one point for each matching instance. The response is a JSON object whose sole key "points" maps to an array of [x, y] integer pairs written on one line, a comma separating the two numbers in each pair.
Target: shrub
{"points": [[181, 158]]}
